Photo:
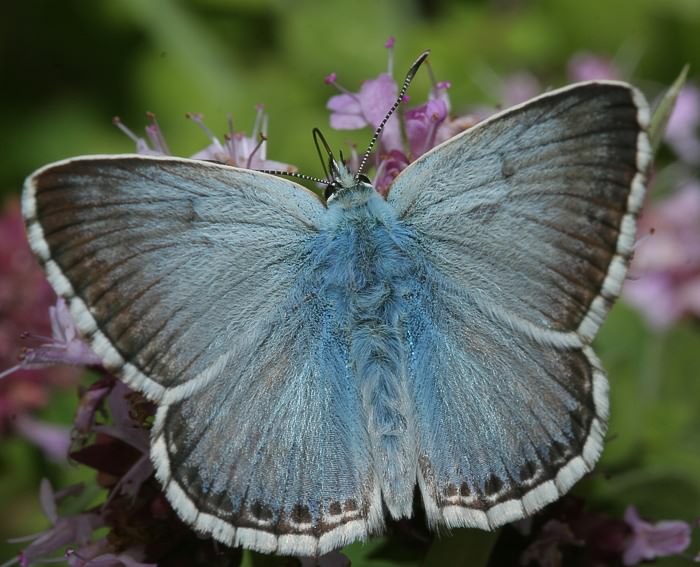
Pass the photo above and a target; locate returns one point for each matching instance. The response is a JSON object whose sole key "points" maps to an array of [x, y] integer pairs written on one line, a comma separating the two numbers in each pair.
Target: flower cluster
{"points": [[27, 302], [665, 273], [237, 149], [407, 135], [566, 533]]}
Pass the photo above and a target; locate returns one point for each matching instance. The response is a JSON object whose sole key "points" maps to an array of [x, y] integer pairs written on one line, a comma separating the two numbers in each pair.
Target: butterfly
{"points": [[316, 361]]}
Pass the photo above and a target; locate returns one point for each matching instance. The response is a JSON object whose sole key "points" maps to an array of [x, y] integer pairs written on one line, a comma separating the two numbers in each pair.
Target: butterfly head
{"points": [[341, 178]]}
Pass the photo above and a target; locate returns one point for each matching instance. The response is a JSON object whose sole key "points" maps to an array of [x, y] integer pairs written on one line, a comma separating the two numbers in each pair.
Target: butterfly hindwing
{"points": [[274, 455], [505, 423]]}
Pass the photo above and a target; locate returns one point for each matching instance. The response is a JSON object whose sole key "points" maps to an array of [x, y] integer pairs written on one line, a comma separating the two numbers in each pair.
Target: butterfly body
{"points": [[315, 363], [370, 275]]}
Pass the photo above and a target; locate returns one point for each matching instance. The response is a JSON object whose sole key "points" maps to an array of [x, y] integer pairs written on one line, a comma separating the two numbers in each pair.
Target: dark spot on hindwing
{"points": [[528, 471], [451, 490], [261, 511], [300, 514], [493, 485]]}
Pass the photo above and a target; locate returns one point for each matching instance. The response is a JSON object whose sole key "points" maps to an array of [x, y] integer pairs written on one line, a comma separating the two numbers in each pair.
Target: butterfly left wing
{"points": [[195, 283]]}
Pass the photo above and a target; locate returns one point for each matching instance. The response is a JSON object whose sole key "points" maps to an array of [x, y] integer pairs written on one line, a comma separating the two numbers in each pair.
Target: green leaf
{"points": [[663, 110]]}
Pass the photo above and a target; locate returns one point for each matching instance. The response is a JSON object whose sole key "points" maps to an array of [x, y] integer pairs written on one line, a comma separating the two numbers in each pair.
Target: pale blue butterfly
{"points": [[315, 362]]}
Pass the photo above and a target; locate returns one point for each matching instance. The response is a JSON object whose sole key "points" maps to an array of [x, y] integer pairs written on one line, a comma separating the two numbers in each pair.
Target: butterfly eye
{"points": [[362, 178], [330, 191]]}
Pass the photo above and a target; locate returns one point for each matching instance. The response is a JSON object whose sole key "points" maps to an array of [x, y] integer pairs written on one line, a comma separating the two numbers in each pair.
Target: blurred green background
{"points": [[68, 67]]}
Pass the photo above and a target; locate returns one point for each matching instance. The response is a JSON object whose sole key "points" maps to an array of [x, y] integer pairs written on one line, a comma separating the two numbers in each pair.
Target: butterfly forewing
{"points": [[167, 263], [533, 211]]}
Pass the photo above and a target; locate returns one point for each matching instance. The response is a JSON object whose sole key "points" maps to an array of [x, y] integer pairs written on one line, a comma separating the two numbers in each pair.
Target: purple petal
{"points": [[48, 501], [421, 125], [518, 88], [53, 440], [649, 541], [376, 97], [346, 112], [388, 169], [345, 103], [682, 130], [67, 531], [589, 67], [347, 121], [213, 152], [654, 295], [89, 403], [665, 272]]}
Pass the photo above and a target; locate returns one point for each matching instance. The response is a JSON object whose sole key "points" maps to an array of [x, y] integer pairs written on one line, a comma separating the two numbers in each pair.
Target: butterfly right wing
{"points": [[526, 224]]}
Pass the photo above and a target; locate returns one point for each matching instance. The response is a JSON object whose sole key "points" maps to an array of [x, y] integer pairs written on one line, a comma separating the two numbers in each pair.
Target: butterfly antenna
{"points": [[399, 99], [331, 172], [294, 174]]}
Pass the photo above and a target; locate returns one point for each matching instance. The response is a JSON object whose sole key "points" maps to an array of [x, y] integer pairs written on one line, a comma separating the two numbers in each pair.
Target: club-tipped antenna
{"points": [[328, 162], [399, 99]]}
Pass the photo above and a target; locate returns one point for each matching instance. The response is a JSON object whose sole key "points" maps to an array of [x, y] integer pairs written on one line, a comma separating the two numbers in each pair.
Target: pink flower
{"points": [[390, 165], [64, 347], [157, 145], [586, 66], [368, 107], [665, 272], [649, 541], [237, 149], [25, 299], [65, 530], [682, 130], [519, 87], [423, 125]]}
